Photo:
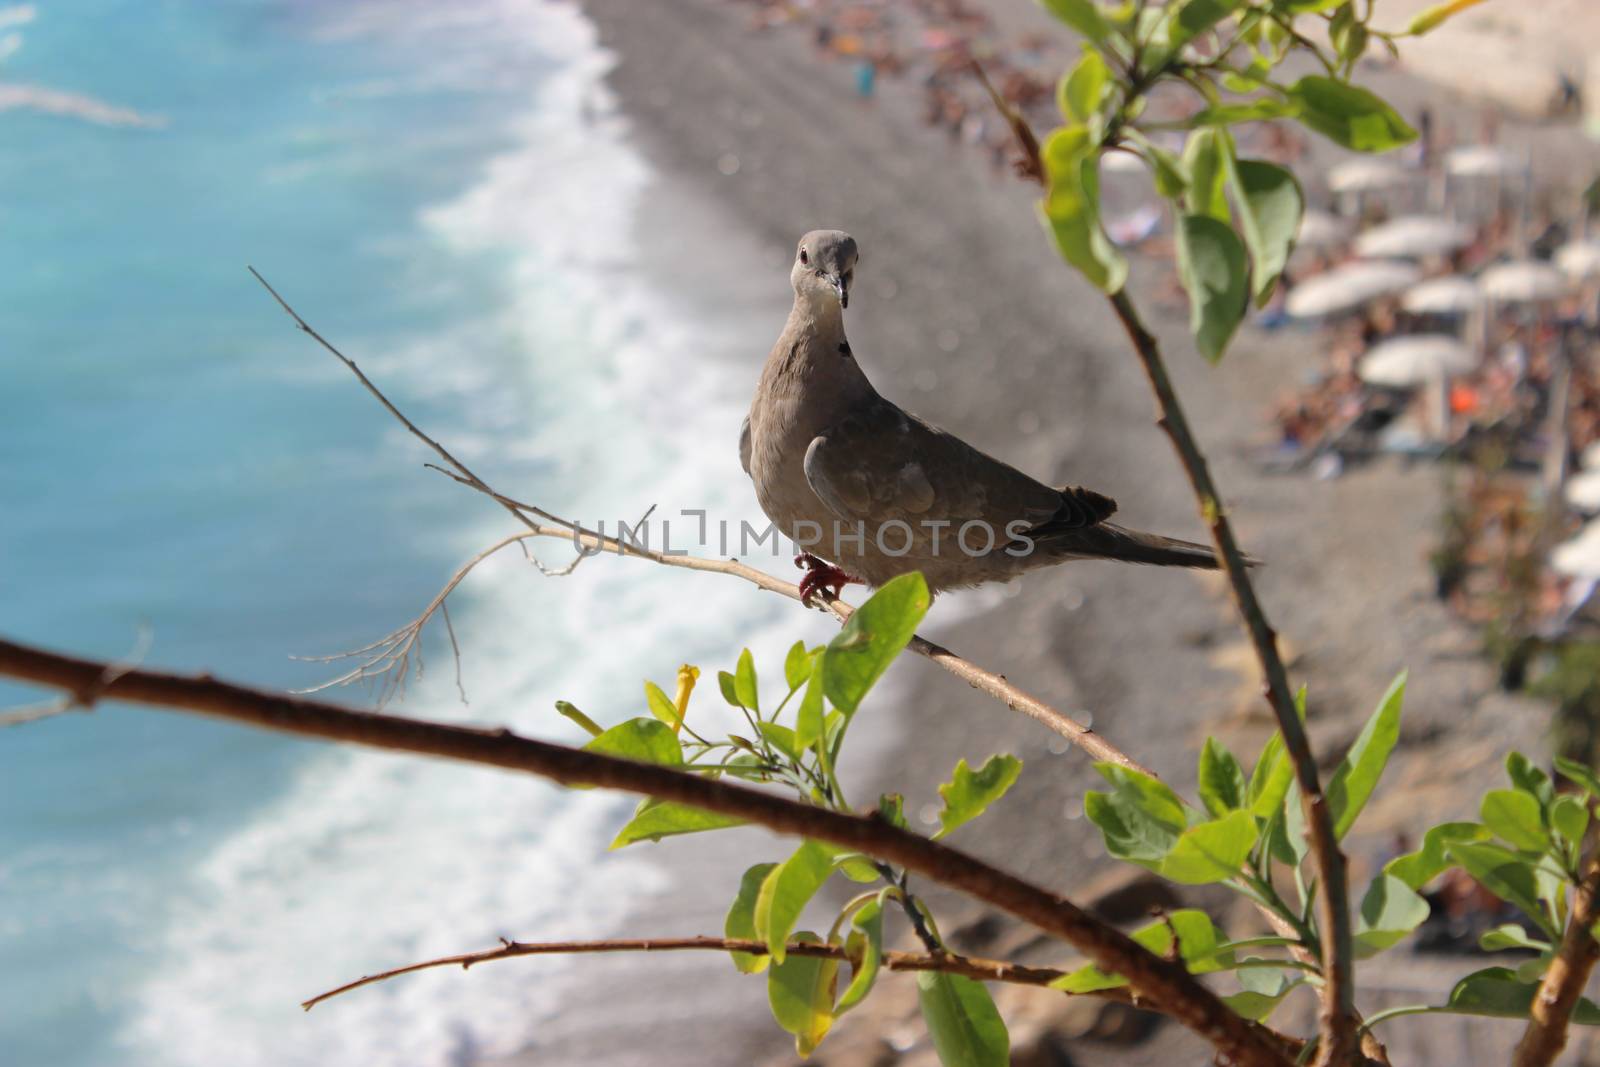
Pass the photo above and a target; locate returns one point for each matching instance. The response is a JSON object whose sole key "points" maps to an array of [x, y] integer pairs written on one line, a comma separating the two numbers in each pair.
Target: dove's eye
{"points": [[803, 257]]}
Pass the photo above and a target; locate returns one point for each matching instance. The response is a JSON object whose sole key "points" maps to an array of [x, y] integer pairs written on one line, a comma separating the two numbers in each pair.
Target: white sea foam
{"points": [[369, 861], [18, 97]]}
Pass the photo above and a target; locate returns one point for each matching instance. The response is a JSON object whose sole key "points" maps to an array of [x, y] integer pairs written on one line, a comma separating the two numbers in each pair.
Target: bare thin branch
{"points": [[461, 468], [982, 970], [542, 523], [392, 653], [1159, 981], [1338, 1023]]}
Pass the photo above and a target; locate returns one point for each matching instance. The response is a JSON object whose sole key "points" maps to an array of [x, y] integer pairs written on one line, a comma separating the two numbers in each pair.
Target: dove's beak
{"points": [[840, 288]]}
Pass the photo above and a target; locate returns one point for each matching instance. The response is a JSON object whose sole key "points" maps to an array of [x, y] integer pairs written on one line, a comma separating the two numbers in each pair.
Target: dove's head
{"points": [[824, 267]]}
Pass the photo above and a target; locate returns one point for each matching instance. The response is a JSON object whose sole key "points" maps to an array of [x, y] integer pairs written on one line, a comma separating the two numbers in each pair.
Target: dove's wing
{"points": [[744, 445], [879, 463]]}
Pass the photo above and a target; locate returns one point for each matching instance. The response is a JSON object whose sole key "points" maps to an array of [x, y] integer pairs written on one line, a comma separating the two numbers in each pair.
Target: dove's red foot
{"points": [[821, 575]]}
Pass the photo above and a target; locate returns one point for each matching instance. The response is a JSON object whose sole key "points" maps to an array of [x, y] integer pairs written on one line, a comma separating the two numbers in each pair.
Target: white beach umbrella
{"points": [[1453, 294], [1413, 236], [1481, 161], [1121, 163], [1319, 229], [1583, 491], [1524, 281], [1347, 287], [1366, 176], [1579, 557], [1580, 260], [1401, 362]]}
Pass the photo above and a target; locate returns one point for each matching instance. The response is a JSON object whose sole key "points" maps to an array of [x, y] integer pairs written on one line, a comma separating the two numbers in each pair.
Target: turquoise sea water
{"points": [[445, 191]]}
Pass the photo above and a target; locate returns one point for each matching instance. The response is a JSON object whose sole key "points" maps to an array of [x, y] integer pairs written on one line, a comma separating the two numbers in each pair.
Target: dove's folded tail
{"points": [[1109, 541]]}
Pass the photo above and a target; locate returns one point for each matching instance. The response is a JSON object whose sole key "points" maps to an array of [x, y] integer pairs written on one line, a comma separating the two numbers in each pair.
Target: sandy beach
{"points": [[963, 314]]}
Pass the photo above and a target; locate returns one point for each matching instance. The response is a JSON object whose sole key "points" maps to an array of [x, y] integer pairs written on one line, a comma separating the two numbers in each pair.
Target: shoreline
{"points": [[964, 315]]}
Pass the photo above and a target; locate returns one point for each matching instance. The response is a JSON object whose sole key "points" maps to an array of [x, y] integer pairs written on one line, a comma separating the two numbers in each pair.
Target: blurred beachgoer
{"points": [[866, 78]]}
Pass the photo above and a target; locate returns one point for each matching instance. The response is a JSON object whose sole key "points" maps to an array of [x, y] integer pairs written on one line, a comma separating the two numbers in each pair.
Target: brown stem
{"points": [[981, 970], [1563, 983], [1160, 981], [1337, 1026]]}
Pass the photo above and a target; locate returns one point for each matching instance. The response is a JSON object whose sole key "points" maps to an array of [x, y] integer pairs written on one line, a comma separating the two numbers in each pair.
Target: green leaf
{"points": [[1197, 947], [786, 891], [1418, 868], [857, 867], [1530, 779], [1505, 874], [797, 665], [1389, 911], [1211, 851], [1357, 774], [1516, 818], [1070, 209], [783, 739], [876, 633], [661, 705], [1256, 1006], [868, 940], [800, 991], [1580, 775], [593, 728], [1289, 841], [892, 809], [1498, 992], [1261, 109], [1569, 816], [1082, 15], [1170, 179], [653, 820], [1310, 7], [1430, 18], [808, 721], [967, 1030], [1207, 157], [1196, 17], [729, 687], [744, 682], [1141, 819], [644, 740], [1271, 778], [1081, 91], [968, 793], [1216, 275], [1222, 786], [1349, 116], [741, 921], [1264, 989], [1350, 39], [1270, 204], [1511, 936]]}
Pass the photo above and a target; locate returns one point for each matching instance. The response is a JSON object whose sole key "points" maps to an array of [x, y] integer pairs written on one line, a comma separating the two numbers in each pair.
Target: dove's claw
{"points": [[821, 576]]}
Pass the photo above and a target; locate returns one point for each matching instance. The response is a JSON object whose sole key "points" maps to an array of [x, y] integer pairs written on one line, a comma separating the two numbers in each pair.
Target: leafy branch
{"points": [[1159, 981]]}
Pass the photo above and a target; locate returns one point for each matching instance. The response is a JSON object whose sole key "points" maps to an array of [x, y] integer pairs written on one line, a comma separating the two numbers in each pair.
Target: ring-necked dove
{"points": [[876, 491]]}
